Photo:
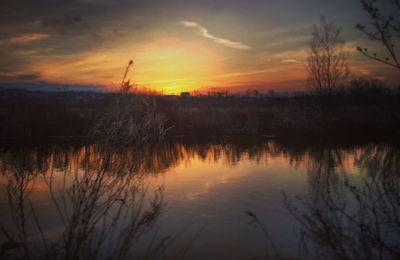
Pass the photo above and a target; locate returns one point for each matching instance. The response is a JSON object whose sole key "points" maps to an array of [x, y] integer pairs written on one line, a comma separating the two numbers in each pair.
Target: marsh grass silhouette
{"points": [[129, 118], [118, 118]]}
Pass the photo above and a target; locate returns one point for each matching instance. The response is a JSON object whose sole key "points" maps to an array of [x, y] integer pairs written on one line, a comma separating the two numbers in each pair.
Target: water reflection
{"points": [[98, 197], [91, 202], [344, 217]]}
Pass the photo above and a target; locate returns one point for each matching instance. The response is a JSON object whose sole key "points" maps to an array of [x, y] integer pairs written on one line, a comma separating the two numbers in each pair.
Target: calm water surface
{"points": [[204, 208]]}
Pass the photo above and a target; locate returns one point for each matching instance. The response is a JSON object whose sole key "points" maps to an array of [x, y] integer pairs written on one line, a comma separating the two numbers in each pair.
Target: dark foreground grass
{"points": [[73, 114]]}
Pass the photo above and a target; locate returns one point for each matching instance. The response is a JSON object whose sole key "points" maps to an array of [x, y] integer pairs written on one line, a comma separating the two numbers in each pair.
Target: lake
{"points": [[230, 199]]}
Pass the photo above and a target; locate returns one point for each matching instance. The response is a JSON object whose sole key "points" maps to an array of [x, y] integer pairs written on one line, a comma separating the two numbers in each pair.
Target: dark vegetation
{"points": [[366, 107]]}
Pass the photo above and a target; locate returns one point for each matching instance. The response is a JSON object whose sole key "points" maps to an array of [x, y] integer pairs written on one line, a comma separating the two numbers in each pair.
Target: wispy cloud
{"points": [[204, 33], [26, 38], [291, 61], [18, 77]]}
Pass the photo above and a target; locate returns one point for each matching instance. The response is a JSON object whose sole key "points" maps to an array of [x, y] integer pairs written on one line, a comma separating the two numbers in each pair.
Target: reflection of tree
{"points": [[99, 194], [315, 156], [18, 189], [322, 169], [160, 157], [98, 207], [362, 221], [154, 159], [380, 160], [231, 152]]}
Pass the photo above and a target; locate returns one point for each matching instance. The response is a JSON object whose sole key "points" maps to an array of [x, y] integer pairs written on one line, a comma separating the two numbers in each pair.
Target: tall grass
{"points": [[129, 118]]}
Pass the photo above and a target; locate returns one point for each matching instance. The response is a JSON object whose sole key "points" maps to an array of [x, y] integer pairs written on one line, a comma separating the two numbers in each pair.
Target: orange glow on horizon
{"points": [[171, 65], [166, 65]]}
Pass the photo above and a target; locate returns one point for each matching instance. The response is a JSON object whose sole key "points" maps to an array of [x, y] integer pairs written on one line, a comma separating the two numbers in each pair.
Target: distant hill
{"points": [[48, 87]]}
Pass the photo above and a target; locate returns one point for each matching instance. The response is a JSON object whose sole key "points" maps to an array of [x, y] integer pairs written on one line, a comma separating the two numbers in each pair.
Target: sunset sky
{"points": [[178, 45]]}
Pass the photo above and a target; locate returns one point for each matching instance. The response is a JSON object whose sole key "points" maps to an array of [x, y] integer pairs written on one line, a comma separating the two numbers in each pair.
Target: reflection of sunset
{"points": [[191, 171], [205, 181], [191, 181]]}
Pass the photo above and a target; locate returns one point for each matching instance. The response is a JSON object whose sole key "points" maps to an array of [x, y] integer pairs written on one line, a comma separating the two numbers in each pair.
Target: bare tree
{"points": [[327, 65], [384, 29]]}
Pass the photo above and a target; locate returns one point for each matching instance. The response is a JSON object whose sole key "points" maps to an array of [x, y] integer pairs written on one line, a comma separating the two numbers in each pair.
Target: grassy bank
{"points": [[43, 114]]}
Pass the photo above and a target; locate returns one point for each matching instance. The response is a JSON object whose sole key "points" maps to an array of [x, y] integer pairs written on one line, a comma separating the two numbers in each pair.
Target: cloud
{"points": [[27, 38], [25, 52], [18, 77], [290, 61], [360, 71], [204, 33]]}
